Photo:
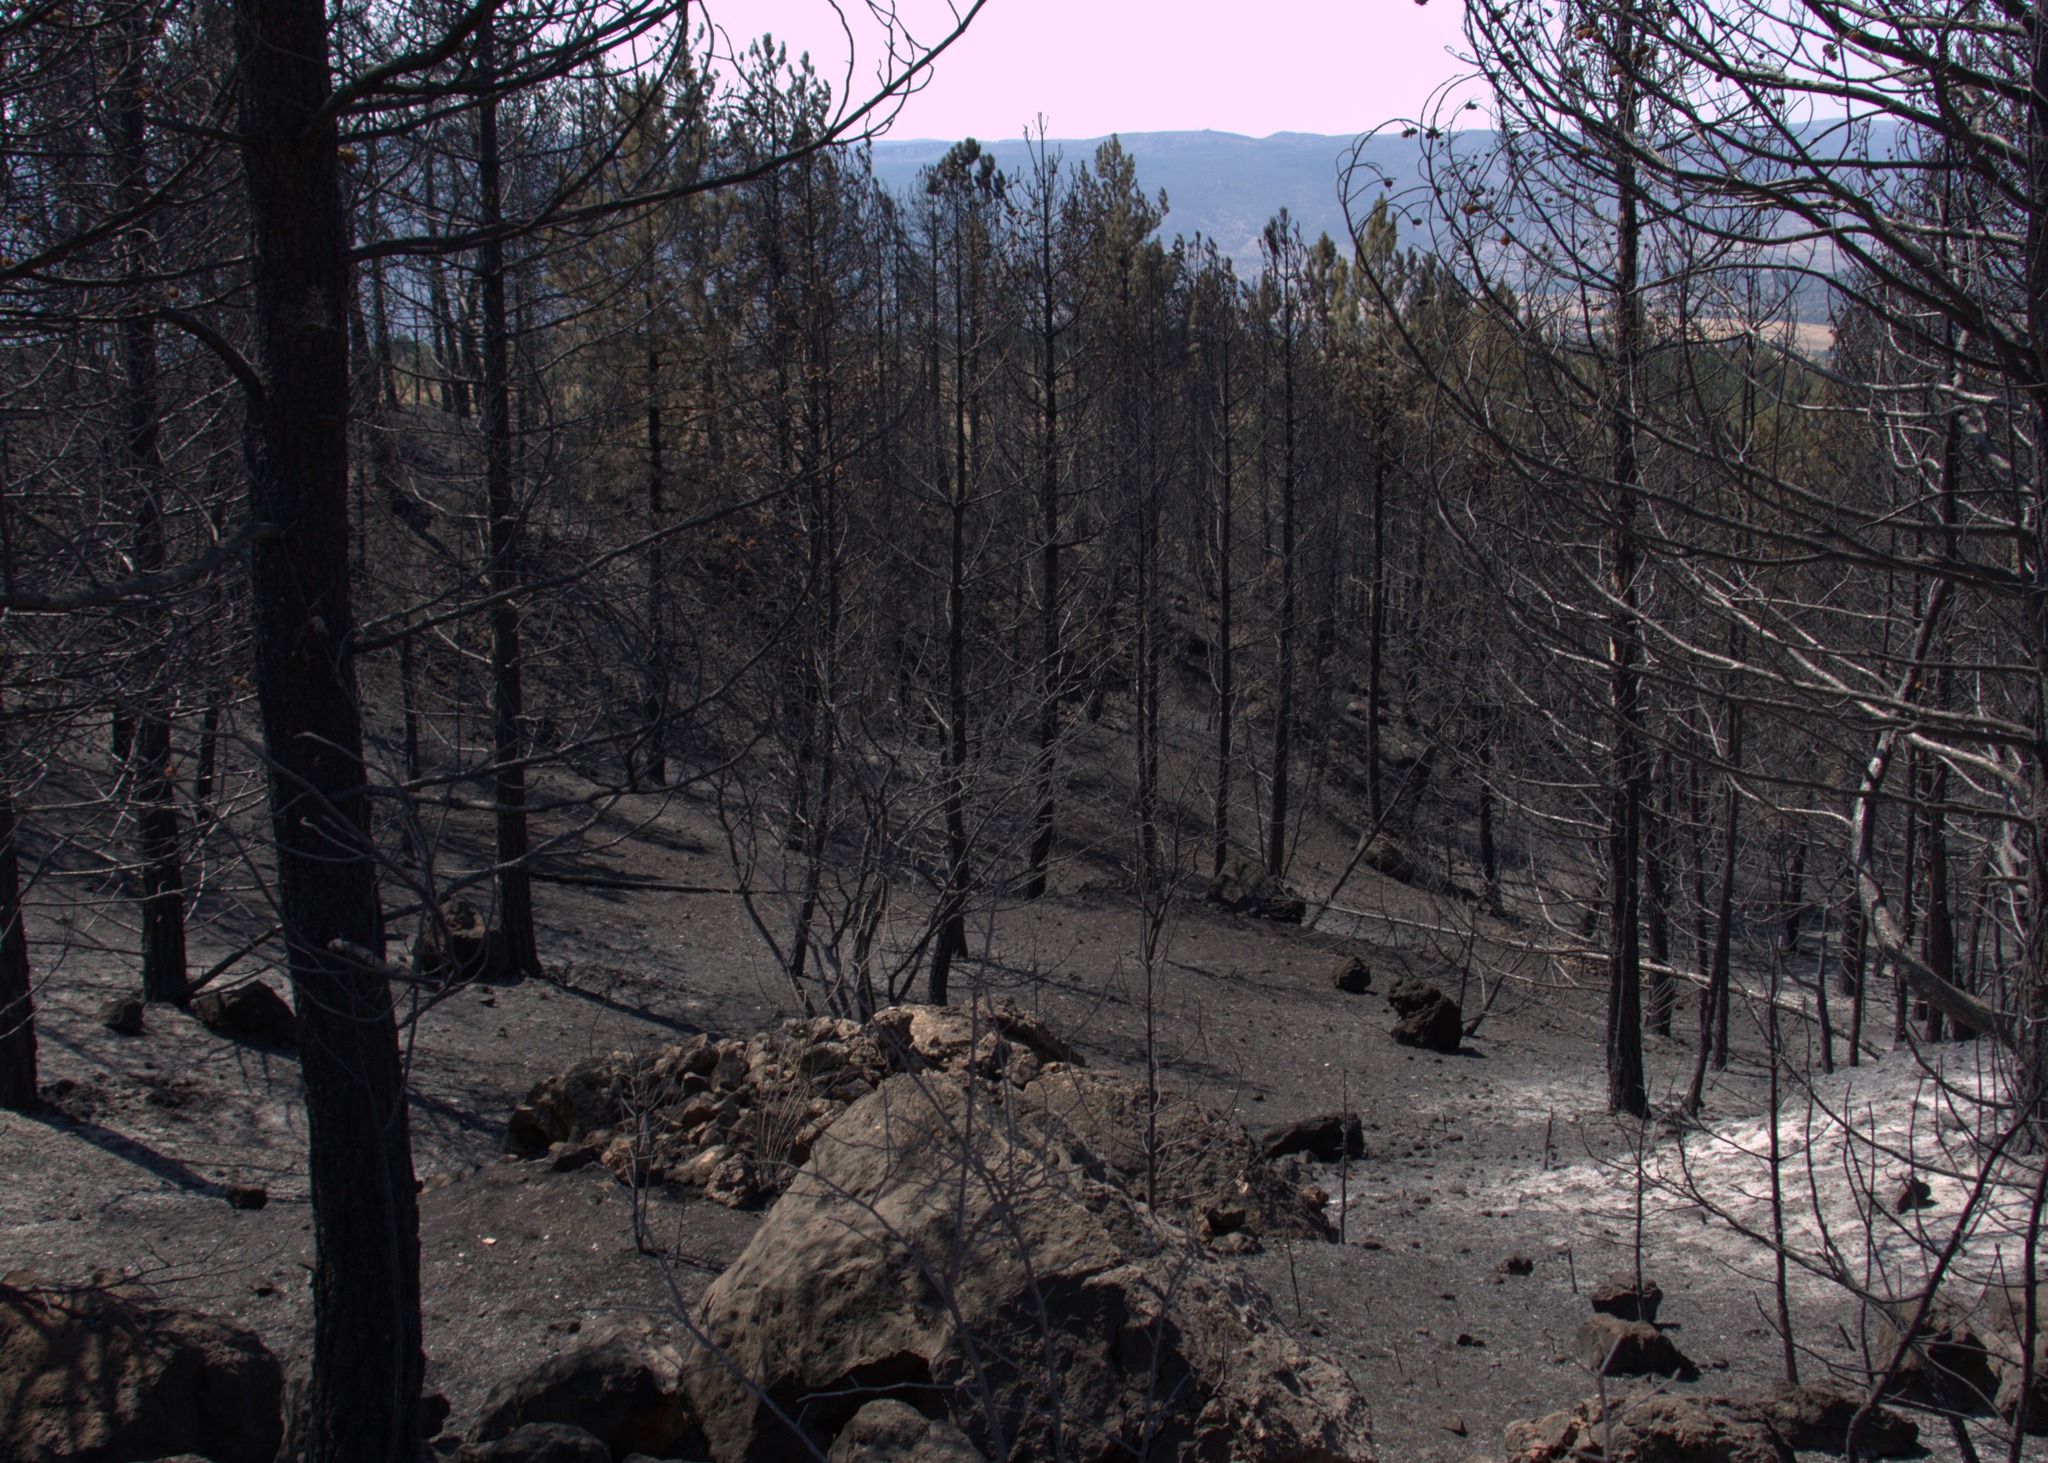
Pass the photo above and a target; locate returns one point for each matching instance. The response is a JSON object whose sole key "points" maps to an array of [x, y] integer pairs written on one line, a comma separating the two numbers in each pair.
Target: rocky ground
{"points": [[1500, 1150]]}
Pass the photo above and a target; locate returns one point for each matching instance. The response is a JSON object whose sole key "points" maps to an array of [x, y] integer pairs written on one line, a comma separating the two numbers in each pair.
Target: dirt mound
{"points": [[955, 1245], [735, 1116]]}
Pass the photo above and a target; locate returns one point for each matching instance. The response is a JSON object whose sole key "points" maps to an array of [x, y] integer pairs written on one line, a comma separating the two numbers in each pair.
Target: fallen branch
{"points": [[29, 602]]}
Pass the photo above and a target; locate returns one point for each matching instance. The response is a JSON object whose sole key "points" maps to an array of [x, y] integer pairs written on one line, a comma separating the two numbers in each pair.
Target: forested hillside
{"points": [[465, 470]]}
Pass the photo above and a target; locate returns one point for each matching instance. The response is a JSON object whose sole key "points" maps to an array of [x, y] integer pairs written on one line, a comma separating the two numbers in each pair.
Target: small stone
{"points": [[247, 1196], [568, 1157], [122, 1015], [1352, 976], [1620, 1294], [1517, 1264], [1913, 1194], [1452, 1422], [1466, 1338], [251, 1012]]}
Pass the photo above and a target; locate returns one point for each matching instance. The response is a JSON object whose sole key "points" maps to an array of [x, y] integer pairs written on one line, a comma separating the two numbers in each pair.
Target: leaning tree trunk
{"points": [[364, 1394]]}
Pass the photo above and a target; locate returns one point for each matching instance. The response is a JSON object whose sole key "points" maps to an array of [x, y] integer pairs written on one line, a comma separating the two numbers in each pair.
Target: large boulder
{"points": [[1765, 1426], [1424, 1016], [1947, 1365], [1653, 1429], [1326, 1138], [2002, 1317], [538, 1442], [101, 1373], [955, 1245], [250, 1012], [735, 1116], [614, 1391], [1816, 1416], [888, 1431]]}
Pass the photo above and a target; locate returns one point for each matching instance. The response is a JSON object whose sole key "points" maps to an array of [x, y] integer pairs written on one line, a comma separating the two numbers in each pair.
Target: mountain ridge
{"points": [[1222, 185]]}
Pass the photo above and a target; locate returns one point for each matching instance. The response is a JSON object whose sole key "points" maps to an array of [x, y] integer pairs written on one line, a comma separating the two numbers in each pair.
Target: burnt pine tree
{"points": [[367, 1362]]}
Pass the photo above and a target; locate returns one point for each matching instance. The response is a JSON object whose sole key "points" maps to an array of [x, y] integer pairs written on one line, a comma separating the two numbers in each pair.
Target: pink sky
{"points": [[1099, 66]]}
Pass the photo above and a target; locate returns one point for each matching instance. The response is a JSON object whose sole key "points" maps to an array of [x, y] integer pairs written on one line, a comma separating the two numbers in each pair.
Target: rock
{"points": [[122, 1015], [1554, 1436], [1387, 857], [1622, 1295], [612, 1391], [1653, 1429], [538, 1442], [888, 1431], [1244, 887], [735, 1116], [1667, 1429], [2002, 1314], [1948, 1364], [940, 1228], [434, 1411], [1516, 1264], [250, 1012], [1913, 1194], [1205, 1161], [1351, 975], [989, 1037], [1816, 1416], [460, 946], [565, 1107], [1427, 1017], [101, 1371], [246, 1196], [1607, 1344], [1325, 1138]]}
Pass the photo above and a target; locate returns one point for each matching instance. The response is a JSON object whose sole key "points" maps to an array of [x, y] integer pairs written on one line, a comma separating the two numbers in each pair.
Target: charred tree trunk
{"points": [[163, 879], [17, 996], [1283, 667], [1226, 625], [654, 703], [1625, 1089], [364, 1395], [1657, 896], [508, 692], [1713, 1042]]}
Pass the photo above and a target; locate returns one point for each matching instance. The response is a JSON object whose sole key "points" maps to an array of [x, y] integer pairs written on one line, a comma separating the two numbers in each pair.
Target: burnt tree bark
{"points": [[17, 995], [163, 881], [364, 1397], [508, 691]]}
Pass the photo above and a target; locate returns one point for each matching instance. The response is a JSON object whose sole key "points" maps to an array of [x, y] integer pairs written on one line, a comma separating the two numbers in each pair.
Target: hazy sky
{"points": [[1099, 66]]}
